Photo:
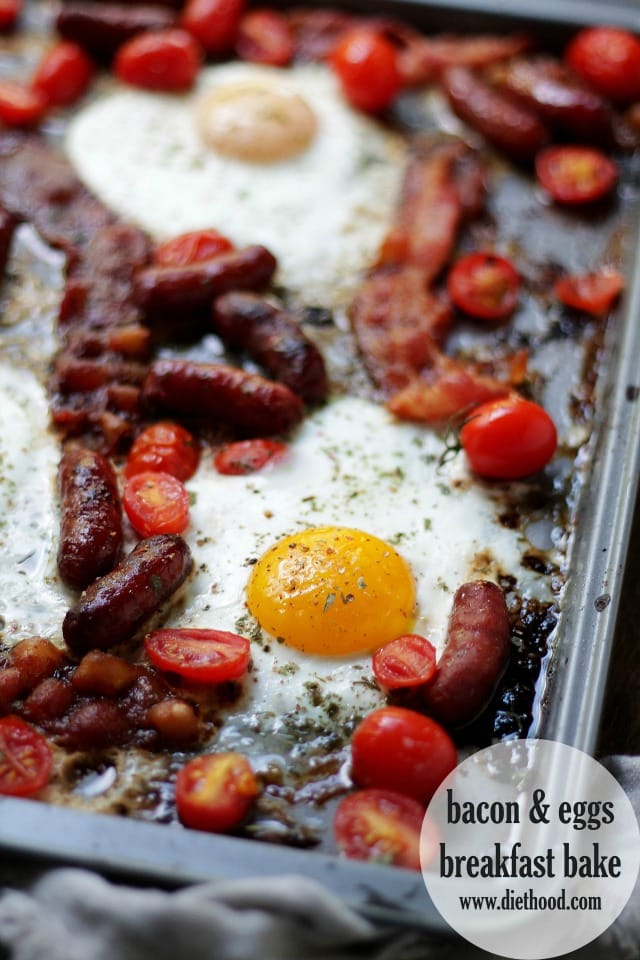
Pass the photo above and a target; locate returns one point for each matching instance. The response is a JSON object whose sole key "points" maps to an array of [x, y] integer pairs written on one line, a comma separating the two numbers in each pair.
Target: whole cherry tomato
{"points": [[20, 106], [164, 447], [25, 758], [215, 792], [193, 247], [593, 293], [484, 286], [608, 58], [407, 661], [156, 503], [508, 438], [63, 74], [379, 825], [366, 64], [248, 456], [575, 175], [265, 36], [202, 656], [167, 60], [214, 23]]}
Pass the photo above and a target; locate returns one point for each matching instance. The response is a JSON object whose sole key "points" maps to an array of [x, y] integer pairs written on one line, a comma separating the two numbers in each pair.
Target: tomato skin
{"points": [[214, 23], [25, 758], [164, 60], [63, 75], [248, 456], [264, 36], [593, 293], [575, 175], [201, 656], [215, 792], [164, 447], [366, 64], [484, 286], [608, 59], [192, 247], [508, 438], [401, 750], [379, 825], [10, 10], [408, 661], [156, 503], [20, 106]]}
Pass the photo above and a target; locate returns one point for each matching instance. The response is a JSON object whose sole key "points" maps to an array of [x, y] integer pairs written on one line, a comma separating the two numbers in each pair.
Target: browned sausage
{"points": [[244, 401], [505, 123], [163, 291], [91, 521], [275, 340], [115, 606], [103, 27], [475, 655]]}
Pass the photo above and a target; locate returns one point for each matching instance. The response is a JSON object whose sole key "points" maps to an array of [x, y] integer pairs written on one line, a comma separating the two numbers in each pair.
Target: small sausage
{"points": [[114, 607], [474, 657], [244, 401], [91, 516], [162, 291], [274, 339], [101, 28]]}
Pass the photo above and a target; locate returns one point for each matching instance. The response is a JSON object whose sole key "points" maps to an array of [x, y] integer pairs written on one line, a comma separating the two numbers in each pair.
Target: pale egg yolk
{"points": [[255, 122], [332, 591]]}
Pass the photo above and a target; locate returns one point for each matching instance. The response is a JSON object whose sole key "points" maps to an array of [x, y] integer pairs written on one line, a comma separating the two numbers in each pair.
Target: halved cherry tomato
{"points": [[203, 656], [25, 758], [402, 750], [156, 503], [379, 825], [594, 293], [265, 37], [575, 175], [164, 447], [508, 438], [366, 64], [214, 23], [167, 60], [10, 10], [215, 792], [248, 456], [63, 75], [20, 106], [407, 661], [608, 58], [484, 286], [193, 247]]}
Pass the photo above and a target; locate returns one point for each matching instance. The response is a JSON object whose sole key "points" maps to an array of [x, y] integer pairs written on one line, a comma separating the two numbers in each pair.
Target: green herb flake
{"points": [[329, 602]]}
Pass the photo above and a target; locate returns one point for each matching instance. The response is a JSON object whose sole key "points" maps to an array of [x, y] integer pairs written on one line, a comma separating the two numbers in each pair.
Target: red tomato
{"points": [[156, 503], [215, 792], [594, 293], [25, 758], [398, 749], [10, 10], [20, 106], [166, 60], [191, 247], [367, 66], [484, 286], [203, 656], [63, 75], [164, 447], [575, 175], [407, 661], [247, 456], [214, 23], [265, 37], [508, 438], [379, 825], [608, 58]]}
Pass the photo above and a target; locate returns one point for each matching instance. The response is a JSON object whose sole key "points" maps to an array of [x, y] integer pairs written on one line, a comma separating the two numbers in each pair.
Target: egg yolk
{"points": [[255, 122], [332, 591]]}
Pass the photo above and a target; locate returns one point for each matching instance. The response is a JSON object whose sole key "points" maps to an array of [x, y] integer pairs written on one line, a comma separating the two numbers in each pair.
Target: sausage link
{"points": [[91, 517], [244, 401], [114, 607], [475, 654], [103, 27], [275, 340]]}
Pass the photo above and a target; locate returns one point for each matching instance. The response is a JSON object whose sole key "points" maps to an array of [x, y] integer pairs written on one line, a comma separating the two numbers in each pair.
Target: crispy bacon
{"points": [[443, 52]]}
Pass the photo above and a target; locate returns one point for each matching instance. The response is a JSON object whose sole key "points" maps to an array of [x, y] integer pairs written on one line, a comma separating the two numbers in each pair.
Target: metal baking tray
{"points": [[569, 698]]}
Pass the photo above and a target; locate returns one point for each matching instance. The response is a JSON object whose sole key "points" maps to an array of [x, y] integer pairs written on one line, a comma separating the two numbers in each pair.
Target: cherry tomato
{"points": [[575, 175], [166, 60], [608, 58], [508, 438], [10, 10], [25, 758], [214, 23], [247, 456], [594, 293], [367, 67], [20, 106], [407, 661], [203, 656], [379, 825], [156, 503], [164, 447], [63, 75], [215, 792], [265, 37], [191, 247], [402, 750], [484, 286]]}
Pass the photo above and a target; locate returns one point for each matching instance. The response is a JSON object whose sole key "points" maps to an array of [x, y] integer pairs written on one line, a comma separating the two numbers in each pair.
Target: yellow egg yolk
{"points": [[332, 591]]}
